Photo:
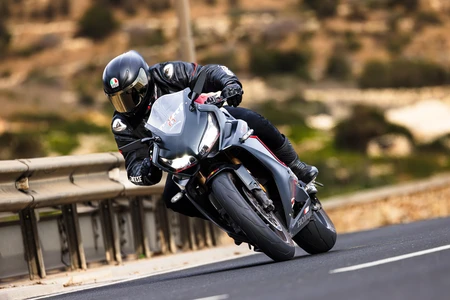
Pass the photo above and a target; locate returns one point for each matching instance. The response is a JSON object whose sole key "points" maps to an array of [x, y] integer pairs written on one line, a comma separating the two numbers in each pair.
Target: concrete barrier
{"points": [[404, 203]]}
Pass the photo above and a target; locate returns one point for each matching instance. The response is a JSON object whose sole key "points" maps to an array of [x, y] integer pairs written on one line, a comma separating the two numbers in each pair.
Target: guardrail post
{"points": [[213, 234], [188, 232], [76, 250], [163, 227], [110, 238], [33, 251], [138, 220], [208, 235]]}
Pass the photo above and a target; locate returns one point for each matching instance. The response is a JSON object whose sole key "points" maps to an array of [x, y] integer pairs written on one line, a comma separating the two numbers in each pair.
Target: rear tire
{"points": [[277, 244], [319, 235]]}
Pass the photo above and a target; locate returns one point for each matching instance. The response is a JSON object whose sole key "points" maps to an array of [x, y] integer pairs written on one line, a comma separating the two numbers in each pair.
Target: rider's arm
{"points": [[178, 75], [134, 159]]}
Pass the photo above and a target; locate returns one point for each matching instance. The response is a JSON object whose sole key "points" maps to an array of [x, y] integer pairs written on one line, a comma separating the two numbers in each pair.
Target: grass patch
{"points": [[47, 133]]}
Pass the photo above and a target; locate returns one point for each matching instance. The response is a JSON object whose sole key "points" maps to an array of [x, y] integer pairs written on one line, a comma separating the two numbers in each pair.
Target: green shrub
{"points": [[40, 77], [146, 37], [280, 113], [402, 73], [61, 142], [234, 3], [426, 18], [323, 8], [375, 75], [409, 5], [396, 42], [364, 124], [5, 38], [159, 5], [47, 41], [440, 145], [85, 98], [97, 23], [406, 73], [266, 61], [291, 111], [376, 4], [4, 9], [51, 118], [393, 21], [338, 67], [5, 73], [21, 145], [358, 12], [352, 42]]}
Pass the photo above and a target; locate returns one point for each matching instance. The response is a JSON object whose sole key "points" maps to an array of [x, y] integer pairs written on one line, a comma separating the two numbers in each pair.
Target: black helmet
{"points": [[126, 82]]}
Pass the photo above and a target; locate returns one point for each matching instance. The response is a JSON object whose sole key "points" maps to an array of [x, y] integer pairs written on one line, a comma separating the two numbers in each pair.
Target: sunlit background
{"points": [[360, 86]]}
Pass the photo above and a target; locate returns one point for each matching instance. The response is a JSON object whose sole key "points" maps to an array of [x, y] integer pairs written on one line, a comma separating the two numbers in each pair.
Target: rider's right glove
{"points": [[149, 173], [233, 93]]}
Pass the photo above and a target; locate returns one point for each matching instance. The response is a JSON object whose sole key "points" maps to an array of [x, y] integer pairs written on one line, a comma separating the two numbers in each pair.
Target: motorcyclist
{"points": [[132, 87]]}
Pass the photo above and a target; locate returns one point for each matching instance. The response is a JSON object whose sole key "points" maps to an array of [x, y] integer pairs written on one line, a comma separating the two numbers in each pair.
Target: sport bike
{"points": [[232, 178]]}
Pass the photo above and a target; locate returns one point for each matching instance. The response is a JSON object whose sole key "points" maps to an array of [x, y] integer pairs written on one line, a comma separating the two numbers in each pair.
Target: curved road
{"points": [[410, 261]]}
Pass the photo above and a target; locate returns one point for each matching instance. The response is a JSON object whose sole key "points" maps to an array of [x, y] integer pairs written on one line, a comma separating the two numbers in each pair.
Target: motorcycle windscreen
{"points": [[168, 114]]}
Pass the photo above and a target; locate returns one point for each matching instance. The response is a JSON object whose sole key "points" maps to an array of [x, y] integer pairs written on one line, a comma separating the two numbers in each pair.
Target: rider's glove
{"points": [[214, 100], [233, 93], [149, 173]]}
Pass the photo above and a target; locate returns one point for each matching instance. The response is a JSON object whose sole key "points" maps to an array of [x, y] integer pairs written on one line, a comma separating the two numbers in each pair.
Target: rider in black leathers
{"points": [[132, 87]]}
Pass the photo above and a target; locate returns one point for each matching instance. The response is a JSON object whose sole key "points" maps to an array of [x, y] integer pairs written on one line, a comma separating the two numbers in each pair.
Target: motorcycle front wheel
{"points": [[262, 228], [319, 235]]}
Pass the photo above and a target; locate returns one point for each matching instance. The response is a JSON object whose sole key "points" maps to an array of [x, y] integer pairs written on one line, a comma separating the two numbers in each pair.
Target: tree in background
{"points": [[409, 5], [266, 61], [403, 73], [364, 124], [338, 66], [323, 8], [5, 38], [4, 9], [97, 22], [159, 5]]}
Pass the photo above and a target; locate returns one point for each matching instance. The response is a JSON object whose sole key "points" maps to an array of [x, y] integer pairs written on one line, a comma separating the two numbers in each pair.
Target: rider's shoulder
{"points": [[167, 70], [120, 123]]}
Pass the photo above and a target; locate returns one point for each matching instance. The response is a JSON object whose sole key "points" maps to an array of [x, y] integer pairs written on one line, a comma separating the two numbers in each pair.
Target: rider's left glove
{"points": [[149, 173], [233, 93]]}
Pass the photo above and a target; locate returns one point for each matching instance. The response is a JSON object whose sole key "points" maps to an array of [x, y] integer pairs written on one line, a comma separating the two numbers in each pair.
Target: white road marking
{"points": [[389, 260], [217, 297]]}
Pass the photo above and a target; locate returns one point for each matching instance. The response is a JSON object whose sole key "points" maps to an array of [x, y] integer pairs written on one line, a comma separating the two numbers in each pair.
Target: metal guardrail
{"points": [[71, 212], [59, 202]]}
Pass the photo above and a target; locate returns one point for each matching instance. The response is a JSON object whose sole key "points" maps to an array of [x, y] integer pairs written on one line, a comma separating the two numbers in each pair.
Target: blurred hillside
{"points": [[316, 68]]}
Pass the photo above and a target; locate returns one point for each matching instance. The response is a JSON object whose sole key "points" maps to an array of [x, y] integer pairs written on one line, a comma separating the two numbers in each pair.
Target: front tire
{"points": [[319, 235], [274, 241]]}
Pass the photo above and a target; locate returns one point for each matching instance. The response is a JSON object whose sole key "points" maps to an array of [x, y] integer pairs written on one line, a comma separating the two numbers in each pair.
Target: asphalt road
{"points": [[410, 261]]}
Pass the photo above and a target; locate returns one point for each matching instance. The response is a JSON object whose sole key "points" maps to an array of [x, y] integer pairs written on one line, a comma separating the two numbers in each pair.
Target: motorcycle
{"points": [[232, 178]]}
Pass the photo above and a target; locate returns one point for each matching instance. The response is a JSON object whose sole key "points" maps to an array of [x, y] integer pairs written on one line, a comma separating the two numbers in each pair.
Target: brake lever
{"points": [[138, 144]]}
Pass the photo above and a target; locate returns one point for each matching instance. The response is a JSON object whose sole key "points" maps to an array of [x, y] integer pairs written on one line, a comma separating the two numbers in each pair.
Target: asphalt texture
{"points": [[422, 275]]}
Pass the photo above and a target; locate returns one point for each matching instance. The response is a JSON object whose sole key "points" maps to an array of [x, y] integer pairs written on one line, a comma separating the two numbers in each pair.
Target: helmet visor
{"points": [[131, 96]]}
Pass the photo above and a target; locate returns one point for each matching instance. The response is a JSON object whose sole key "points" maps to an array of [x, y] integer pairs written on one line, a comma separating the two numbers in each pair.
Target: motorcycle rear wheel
{"points": [[272, 239], [319, 235]]}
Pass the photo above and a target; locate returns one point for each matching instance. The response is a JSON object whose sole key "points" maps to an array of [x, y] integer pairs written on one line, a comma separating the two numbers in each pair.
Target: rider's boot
{"points": [[287, 154]]}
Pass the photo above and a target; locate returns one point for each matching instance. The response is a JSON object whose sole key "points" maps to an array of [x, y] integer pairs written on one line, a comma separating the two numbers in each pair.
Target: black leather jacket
{"points": [[166, 78]]}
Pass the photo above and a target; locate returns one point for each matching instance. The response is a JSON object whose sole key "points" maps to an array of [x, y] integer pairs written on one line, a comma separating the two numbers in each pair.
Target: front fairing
{"points": [[180, 129]]}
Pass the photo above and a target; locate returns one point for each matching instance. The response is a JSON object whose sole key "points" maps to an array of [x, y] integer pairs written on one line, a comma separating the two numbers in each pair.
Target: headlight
{"points": [[209, 137], [180, 163]]}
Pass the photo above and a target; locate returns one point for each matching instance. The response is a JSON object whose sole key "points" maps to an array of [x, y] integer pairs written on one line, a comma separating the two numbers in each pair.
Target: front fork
{"points": [[249, 181]]}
